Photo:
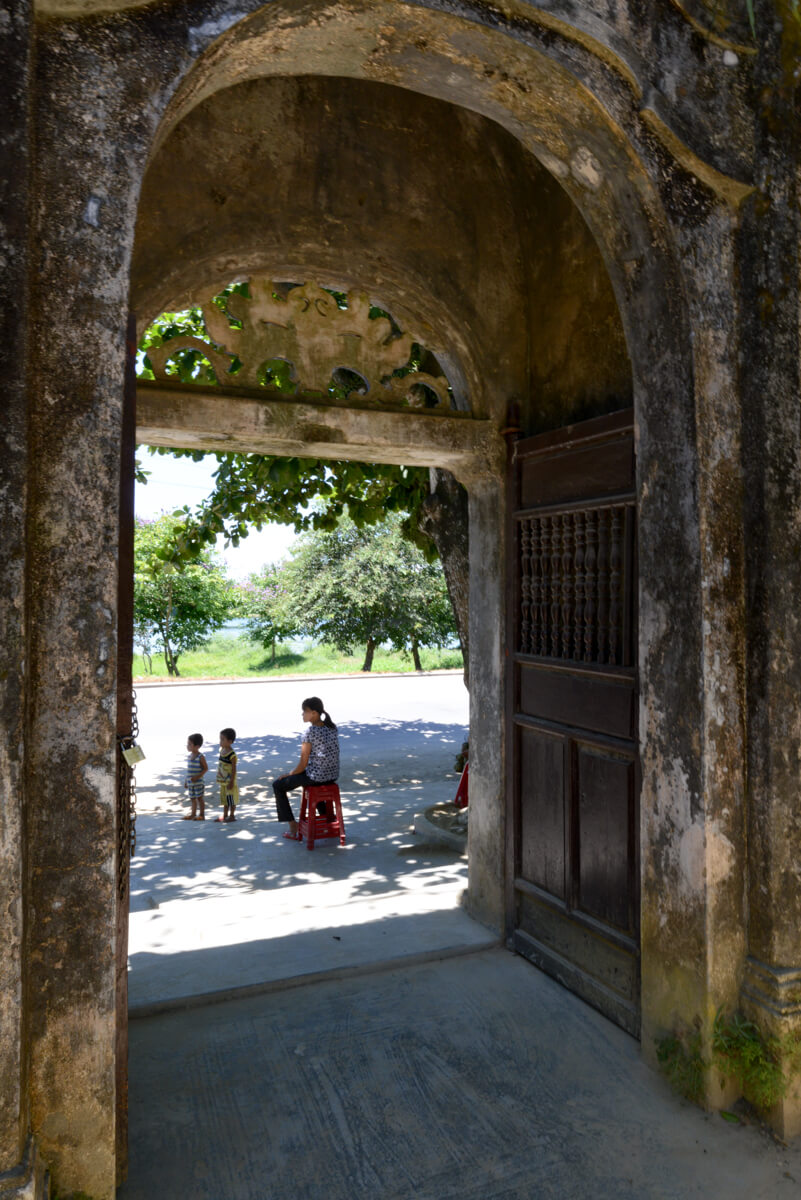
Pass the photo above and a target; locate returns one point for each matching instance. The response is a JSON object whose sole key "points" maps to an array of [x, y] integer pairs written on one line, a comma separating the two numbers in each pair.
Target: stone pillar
{"points": [[487, 824], [771, 992], [692, 685], [15, 47], [90, 141]]}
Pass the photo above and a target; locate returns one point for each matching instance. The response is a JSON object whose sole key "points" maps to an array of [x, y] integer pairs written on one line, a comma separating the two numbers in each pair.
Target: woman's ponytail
{"points": [[316, 705]]}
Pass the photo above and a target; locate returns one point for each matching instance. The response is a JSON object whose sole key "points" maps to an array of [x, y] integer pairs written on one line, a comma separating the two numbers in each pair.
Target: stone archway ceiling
{"points": [[343, 348], [722, 21]]}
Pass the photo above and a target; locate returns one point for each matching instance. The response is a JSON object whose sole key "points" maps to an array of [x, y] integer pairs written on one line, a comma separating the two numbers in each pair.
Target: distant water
{"points": [[235, 629], [232, 629]]}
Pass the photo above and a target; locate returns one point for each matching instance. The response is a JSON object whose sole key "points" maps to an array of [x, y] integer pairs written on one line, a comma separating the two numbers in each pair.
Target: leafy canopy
{"points": [[176, 608], [268, 607], [253, 490], [353, 586]]}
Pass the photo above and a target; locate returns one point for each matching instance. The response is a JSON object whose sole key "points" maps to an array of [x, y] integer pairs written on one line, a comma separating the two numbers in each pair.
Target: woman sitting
{"points": [[318, 764]]}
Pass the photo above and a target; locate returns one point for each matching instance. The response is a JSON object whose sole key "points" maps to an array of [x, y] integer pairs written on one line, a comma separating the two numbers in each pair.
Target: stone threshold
{"points": [[156, 1008], [433, 833]]}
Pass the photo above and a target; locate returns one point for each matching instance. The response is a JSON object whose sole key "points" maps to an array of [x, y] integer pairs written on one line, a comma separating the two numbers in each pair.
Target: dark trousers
{"points": [[288, 783]]}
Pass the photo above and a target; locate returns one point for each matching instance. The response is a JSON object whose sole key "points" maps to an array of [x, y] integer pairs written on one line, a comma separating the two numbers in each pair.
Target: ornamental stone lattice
{"points": [[323, 344]]}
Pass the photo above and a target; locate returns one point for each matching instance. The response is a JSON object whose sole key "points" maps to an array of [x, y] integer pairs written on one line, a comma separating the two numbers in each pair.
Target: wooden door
{"points": [[573, 846]]}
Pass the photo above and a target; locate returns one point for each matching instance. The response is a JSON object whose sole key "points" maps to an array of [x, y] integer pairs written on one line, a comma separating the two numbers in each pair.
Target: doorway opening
{"points": [[525, 326], [398, 747]]}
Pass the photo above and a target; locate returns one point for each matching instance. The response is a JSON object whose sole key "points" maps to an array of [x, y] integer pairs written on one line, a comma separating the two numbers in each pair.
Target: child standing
{"points": [[226, 775], [196, 768]]}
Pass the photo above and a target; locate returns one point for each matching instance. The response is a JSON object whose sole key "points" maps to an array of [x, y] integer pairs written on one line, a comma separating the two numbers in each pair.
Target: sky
{"points": [[174, 482]]}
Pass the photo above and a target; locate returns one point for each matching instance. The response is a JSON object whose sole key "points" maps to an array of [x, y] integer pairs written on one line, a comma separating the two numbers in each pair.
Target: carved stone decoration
{"points": [[322, 343]]}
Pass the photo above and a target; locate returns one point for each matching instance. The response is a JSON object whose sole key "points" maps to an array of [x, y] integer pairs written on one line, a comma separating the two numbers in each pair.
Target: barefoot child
{"points": [[196, 768], [226, 775]]}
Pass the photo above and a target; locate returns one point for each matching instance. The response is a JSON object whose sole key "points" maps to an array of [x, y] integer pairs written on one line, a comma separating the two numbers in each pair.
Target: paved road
{"points": [[394, 731], [215, 907]]}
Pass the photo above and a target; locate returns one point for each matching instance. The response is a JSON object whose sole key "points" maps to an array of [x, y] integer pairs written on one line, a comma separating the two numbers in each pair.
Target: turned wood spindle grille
{"points": [[573, 577]]}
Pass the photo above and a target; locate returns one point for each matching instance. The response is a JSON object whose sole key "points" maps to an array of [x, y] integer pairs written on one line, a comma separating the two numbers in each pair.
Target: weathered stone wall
{"points": [[655, 133], [15, 52], [84, 201], [357, 184], [770, 266]]}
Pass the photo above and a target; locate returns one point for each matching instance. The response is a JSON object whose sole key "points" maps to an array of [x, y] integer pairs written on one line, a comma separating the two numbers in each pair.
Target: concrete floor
{"points": [[474, 1077], [333, 1062]]}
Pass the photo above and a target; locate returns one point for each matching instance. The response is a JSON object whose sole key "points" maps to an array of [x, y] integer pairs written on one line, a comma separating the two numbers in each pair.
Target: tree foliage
{"points": [[268, 608], [254, 490], [176, 607], [354, 586]]}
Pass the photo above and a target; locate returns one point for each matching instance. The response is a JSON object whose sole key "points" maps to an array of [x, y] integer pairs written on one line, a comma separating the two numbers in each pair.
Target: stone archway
{"points": [[352, 182], [583, 100]]}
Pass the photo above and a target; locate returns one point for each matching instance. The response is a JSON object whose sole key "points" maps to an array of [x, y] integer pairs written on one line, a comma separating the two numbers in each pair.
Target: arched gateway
{"points": [[568, 211]]}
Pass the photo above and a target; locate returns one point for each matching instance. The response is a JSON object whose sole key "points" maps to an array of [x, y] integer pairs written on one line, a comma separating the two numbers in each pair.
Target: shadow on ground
{"points": [[385, 754], [472, 1079]]}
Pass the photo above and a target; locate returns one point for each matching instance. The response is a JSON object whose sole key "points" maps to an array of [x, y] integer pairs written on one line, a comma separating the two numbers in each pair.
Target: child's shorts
{"points": [[195, 789]]}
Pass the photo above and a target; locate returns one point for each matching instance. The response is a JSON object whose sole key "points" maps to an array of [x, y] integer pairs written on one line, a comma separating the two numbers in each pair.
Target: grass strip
{"points": [[239, 658]]}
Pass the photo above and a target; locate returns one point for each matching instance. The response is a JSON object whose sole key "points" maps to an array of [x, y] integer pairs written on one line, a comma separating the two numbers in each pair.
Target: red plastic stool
{"points": [[460, 799], [312, 825]]}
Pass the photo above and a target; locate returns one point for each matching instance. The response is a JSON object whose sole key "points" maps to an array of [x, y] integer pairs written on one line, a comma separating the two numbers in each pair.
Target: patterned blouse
{"points": [[323, 764]]}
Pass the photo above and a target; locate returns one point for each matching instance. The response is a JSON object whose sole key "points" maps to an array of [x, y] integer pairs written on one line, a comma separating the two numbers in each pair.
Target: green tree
{"points": [[267, 608], [252, 490], [176, 607], [354, 586]]}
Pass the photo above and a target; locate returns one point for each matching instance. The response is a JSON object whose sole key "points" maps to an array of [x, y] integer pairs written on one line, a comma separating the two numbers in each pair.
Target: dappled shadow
{"points": [[383, 754], [185, 860], [390, 771], [207, 892], [283, 660]]}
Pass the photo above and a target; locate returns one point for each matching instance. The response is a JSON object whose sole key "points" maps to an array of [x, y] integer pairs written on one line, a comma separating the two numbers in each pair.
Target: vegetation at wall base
{"points": [[681, 1062], [761, 1064], [239, 658]]}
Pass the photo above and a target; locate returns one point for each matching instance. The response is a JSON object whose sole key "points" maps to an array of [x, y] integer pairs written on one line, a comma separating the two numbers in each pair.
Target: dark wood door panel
{"points": [[609, 1001], [607, 961], [603, 704], [541, 760], [587, 470], [593, 459], [573, 859], [604, 867]]}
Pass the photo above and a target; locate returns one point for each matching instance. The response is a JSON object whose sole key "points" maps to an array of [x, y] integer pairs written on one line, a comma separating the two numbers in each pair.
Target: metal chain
{"points": [[123, 817], [126, 806], [132, 788]]}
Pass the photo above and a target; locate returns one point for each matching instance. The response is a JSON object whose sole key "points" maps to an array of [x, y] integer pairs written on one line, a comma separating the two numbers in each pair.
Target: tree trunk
{"points": [[367, 665], [443, 517], [418, 666], [169, 657], [272, 656], [170, 660]]}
